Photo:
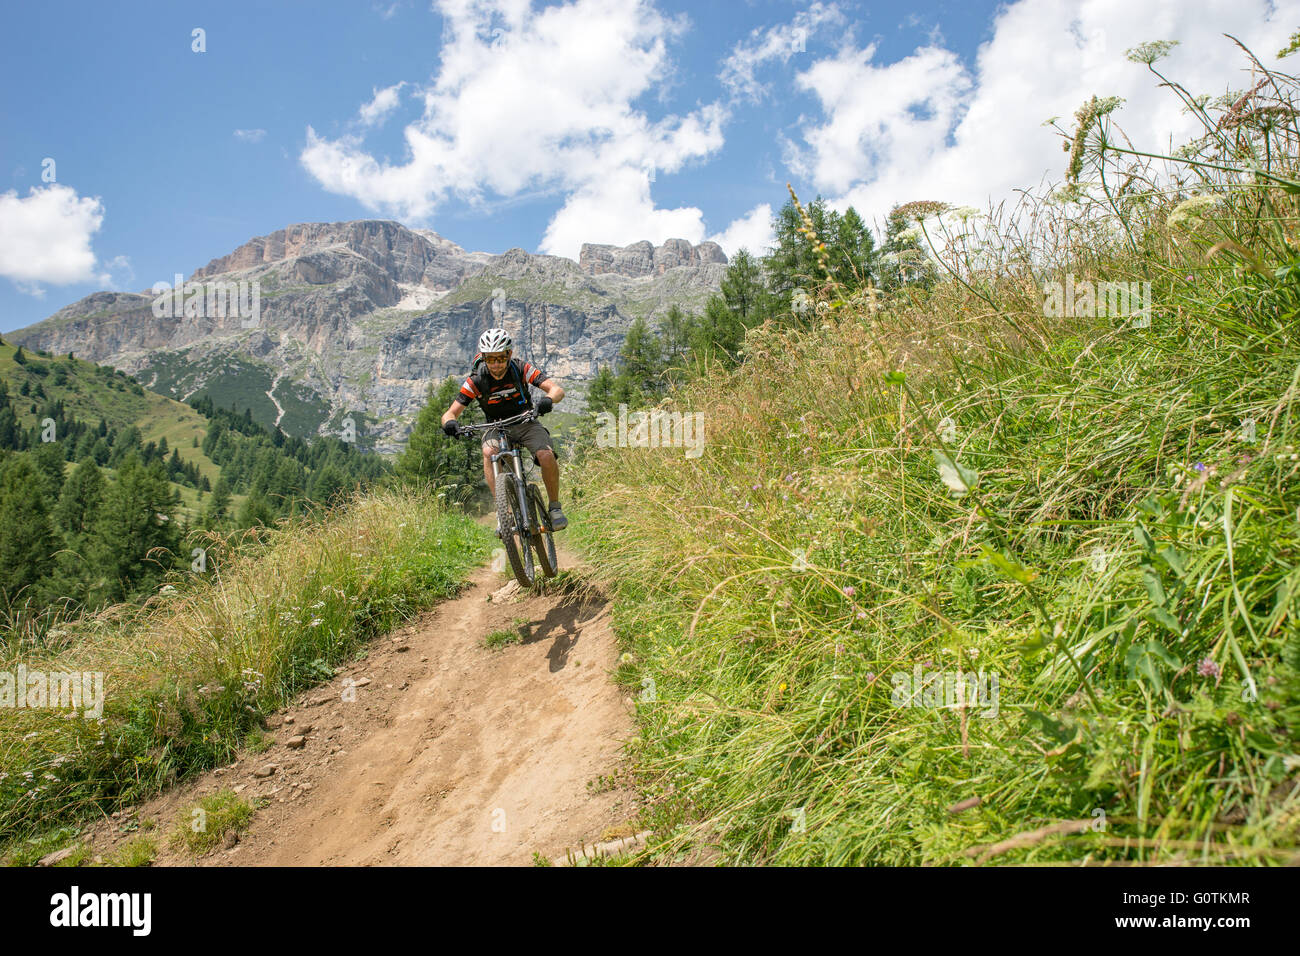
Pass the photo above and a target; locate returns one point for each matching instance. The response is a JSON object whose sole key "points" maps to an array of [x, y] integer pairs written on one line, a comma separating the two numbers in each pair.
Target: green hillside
{"points": [[90, 392]]}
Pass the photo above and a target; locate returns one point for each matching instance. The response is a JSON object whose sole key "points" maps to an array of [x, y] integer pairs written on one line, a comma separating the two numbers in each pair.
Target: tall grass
{"points": [[953, 480], [190, 674]]}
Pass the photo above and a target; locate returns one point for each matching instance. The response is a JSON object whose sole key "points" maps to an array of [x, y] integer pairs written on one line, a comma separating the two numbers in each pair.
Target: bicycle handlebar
{"points": [[530, 415]]}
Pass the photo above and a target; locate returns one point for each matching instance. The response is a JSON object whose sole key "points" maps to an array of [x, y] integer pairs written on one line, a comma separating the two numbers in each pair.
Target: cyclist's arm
{"points": [[552, 389], [456, 410], [468, 392]]}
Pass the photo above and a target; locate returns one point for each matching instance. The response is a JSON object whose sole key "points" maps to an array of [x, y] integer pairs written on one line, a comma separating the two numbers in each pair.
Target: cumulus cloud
{"points": [[764, 45], [752, 231], [45, 237], [538, 101], [250, 135], [927, 127], [382, 104]]}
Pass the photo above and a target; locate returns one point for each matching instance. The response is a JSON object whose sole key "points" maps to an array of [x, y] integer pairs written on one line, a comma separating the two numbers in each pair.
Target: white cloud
{"points": [[740, 68], [542, 101], [120, 275], [45, 237], [383, 103], [752, 231], [926, 127], [250, 135]]}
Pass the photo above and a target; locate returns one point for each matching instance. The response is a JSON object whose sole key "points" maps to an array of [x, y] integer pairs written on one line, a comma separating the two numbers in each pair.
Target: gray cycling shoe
{"points": [[558, 520]]}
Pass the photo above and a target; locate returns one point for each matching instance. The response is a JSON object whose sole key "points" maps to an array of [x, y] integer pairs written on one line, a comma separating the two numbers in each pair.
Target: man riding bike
{"points": [[501, 386]]}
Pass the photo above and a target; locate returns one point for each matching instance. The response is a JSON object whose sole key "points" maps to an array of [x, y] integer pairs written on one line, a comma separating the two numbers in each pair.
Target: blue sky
{"points": [[502, 123]]}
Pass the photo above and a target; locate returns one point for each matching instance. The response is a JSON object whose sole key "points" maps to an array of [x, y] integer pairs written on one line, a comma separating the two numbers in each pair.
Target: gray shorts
{"points": [[530, 435]]}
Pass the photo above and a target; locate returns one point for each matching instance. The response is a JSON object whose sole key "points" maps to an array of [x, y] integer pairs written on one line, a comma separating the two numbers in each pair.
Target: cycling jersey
{"points": [[501, 397]]}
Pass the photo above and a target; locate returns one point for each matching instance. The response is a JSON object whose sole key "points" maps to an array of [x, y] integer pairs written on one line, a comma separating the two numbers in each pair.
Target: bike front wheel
{"points": [[513, 539], [543, 542]]}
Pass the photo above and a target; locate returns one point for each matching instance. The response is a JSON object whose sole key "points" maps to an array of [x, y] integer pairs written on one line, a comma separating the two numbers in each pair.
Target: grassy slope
{"points": [[187, 676], [1128, 564]]}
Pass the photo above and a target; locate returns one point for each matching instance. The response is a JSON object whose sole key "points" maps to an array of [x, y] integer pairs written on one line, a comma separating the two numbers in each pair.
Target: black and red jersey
{"points": [[501, 397]]}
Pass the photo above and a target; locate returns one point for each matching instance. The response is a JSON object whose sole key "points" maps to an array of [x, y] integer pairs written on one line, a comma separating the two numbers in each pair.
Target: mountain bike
{"points": [[523, 521]]}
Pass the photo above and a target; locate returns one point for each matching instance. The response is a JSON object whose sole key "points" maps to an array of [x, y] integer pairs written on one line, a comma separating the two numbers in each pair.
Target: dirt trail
{"points": [[445, 751]]}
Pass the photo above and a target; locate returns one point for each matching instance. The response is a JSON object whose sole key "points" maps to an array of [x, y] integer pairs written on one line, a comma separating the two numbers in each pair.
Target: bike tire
{"points": [[506, 507], [543, 541]]}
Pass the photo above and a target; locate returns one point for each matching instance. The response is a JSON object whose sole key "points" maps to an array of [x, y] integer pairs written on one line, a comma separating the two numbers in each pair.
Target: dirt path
{"points": [[438, 750]]}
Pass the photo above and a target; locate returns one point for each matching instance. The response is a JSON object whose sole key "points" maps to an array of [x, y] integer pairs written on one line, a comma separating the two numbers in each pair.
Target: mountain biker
{"points": [[501, 383]]}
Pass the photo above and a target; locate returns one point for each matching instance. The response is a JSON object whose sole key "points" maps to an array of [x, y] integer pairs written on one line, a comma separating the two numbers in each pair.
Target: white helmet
{"points": [[494, 340]]}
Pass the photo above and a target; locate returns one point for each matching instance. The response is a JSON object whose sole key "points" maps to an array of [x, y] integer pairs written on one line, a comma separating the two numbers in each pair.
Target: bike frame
{"points": [[505, 449]]}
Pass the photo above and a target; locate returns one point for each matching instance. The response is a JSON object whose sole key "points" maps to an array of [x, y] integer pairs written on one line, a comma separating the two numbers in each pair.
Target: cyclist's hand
{"points": [[451, 427], [544, 405]]}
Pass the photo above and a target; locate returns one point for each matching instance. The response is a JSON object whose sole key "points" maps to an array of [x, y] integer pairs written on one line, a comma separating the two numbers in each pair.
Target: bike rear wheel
{"points": [[515, 543]]}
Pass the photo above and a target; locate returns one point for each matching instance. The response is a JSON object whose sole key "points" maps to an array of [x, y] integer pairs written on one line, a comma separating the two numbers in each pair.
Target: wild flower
{"points": [[1192, 210], [1207, 668], [1086, 115]]}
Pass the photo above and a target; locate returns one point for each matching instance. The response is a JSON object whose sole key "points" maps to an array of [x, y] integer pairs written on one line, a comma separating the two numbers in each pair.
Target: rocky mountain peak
{"points": [[643, 259]]}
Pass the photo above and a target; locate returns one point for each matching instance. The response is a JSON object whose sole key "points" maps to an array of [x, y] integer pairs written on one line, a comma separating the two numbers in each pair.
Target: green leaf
{"points": [[1155, 590], [894, 378], [1144, 539], [1149, 661], [1012, 569], [960, 481], [1171, 557], [1049, 725], [1035, 644], [1167, 620]]}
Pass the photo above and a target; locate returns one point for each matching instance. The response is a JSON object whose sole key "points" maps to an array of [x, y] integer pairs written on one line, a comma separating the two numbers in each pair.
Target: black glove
{"points": [[452, 428], [544, 405]]}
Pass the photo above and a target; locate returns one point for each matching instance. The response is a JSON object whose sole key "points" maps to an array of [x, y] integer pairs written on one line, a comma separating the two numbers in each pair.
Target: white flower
{"points": [[315, 621], [1193, 210]]}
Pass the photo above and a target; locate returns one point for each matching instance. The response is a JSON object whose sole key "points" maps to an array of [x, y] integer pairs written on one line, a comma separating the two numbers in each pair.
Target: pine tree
{"points": [[28, 543], [744, 292], [218, 510], [256, 510], [796, 264], [600, 393], [79, 503], [431, 457], [675, 333], [329, 483], [136, 518], [48, 457], [642, 357]]}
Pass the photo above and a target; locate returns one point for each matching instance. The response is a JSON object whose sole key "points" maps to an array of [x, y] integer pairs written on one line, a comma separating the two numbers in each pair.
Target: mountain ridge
{"points": [[355, 319]]}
